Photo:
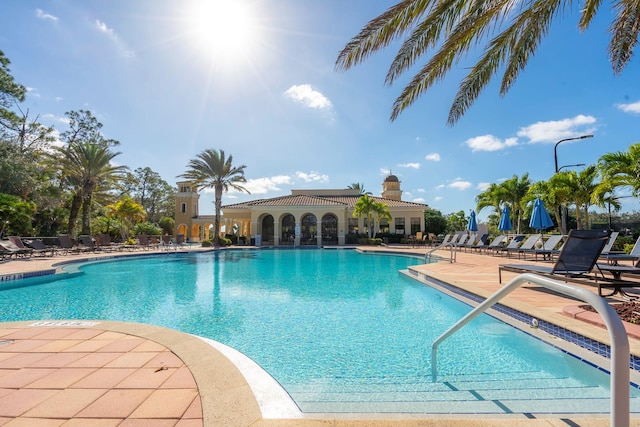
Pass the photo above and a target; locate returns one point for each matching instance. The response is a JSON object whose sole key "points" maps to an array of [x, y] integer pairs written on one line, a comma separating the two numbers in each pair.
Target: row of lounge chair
{"points": [[17, 247], [583, 259]]}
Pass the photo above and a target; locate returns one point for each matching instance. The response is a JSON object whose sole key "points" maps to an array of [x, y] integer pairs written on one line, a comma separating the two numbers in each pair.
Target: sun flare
{"points": [[224, 28]]}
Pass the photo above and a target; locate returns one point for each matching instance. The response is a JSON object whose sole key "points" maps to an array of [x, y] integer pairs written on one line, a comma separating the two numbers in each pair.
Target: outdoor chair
{"points": [[66, 244], [88, 244], [16, 241], [40, 248], [575, 262], [104, 242], [497, 242], [8, 250], [146, 243], [528, 244], [614, 258], [477, 242], [512, 245], [548, 249]]}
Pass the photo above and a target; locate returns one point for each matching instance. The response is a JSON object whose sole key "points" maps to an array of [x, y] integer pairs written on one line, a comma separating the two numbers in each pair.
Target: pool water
{"points": [[340, 330]]}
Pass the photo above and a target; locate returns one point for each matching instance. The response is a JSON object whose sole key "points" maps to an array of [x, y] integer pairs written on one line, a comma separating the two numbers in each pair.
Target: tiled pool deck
{"points": [[104, 373]]}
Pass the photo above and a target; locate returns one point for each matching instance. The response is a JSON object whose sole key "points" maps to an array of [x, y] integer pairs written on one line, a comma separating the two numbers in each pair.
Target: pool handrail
{"points": [[452, 248], [620, 352]]}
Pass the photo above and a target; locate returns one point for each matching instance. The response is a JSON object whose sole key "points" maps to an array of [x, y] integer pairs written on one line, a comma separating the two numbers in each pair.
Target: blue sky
{"points": [[169, 79]]}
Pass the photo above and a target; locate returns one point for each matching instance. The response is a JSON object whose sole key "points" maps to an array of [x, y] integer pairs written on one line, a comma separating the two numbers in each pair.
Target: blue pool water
{"points": [[341, 331]]}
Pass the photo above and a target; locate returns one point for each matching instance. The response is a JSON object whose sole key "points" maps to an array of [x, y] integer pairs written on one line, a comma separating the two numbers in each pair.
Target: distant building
{"points": [[306, 217]]}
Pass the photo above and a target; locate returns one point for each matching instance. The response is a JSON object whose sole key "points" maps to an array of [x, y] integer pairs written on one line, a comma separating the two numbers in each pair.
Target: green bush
{"points": [[207, 243], [147, 228], [225, 242]]}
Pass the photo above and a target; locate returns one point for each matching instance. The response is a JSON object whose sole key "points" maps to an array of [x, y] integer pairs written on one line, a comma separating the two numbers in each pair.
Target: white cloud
{"points": [[440, 187], [633, 108], [483, 186], [420, 190], [490, 143], [385, 171], [410, 165], [264, 185], [418, 200], [308, 97], [312, 177], [434, 157], [459, 184], [41, 14], [115, 39], [555, 130], [437, 198]]}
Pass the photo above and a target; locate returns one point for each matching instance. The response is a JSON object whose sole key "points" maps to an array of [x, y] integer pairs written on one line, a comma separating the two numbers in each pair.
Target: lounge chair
{"points": [[40, 248], [615, 257], [528, 244], [146, 243], [17, 242], [66, 244], [477, 242], [88, 244], [548, 248], [575, 262], [513, 244], [496, 243], [12, 249], [104, 242], [610, 242]]}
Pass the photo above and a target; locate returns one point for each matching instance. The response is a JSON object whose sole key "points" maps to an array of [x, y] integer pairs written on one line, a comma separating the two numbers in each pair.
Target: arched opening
{"points": [[267, 230], [329, 229], [309, 230], [195, 233], [288, 234]]}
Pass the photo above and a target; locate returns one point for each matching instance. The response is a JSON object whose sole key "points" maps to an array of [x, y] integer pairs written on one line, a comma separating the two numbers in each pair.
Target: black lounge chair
{"points": [[513, 245], [88, 244], [41, 249], [575, 262]]}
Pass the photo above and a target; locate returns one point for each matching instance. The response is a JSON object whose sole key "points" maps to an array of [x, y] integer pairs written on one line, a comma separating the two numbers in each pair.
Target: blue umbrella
{"points": [[505, 220], [540, 219], [473, 225]]}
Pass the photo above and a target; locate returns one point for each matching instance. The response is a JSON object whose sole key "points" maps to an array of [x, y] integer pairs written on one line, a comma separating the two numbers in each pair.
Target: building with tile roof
{"points": [[306, 217]]}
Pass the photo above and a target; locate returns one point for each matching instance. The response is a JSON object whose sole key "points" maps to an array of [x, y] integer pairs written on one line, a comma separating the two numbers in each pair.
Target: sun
{"points": [[224, 28]]}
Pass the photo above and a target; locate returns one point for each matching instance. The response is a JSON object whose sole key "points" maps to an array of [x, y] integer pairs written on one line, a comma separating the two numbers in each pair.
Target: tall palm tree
{"points": [[358, 186], [450, 30], [85, 165], [212, 169], [368, 206]]}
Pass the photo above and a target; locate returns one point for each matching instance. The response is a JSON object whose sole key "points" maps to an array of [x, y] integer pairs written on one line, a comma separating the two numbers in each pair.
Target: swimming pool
{"points": [[341, 331]]}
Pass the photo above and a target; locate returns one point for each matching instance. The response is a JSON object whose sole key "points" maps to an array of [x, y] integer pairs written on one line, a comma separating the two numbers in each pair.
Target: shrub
{"points": [[225, 242], [207, 243]]}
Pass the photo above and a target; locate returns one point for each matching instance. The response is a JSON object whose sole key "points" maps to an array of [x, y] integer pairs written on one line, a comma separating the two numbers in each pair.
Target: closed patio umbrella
{"points": [[540, 219], [505, 220], [473, 224]]}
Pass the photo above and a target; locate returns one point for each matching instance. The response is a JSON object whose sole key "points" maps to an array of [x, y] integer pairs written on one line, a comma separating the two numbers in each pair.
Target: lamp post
{"points": [[555, 147], [570, 166], [563, 215]]}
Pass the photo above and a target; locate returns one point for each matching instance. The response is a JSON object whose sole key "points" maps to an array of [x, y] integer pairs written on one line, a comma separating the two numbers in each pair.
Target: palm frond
{"points": [[381, 31], [624, 30]]}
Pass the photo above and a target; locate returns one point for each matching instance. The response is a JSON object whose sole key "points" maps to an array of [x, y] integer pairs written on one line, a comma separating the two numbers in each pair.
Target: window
{"points": [[384, 225], [400, 225], [415, 226], [353, 226], [183, 208]]}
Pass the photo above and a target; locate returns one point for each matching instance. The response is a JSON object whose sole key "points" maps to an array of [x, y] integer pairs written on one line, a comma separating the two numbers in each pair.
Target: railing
{"points": [[452, 247], [617, 334]]}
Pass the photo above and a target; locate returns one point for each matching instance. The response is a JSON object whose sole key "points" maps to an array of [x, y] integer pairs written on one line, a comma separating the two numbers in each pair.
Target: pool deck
{"points": [[97, 372]]}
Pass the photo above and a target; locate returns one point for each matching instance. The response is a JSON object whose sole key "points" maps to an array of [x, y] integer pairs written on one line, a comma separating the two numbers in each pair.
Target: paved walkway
{"points": [[99, 373]]}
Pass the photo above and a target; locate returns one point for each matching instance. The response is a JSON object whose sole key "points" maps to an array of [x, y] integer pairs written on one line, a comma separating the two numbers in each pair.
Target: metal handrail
{"points": [[452, 248], [618, 335]]}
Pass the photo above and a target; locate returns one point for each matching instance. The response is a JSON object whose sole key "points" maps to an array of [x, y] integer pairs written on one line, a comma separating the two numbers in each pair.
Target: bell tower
{"points": [[186, 207], [391, 188]]}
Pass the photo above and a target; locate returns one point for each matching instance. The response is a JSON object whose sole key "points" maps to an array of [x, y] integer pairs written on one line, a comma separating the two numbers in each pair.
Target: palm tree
{"points": [[515, 192], [85, 165], [367, 206], [452, 29], [622, 169], [212, 169], [358, 186]]}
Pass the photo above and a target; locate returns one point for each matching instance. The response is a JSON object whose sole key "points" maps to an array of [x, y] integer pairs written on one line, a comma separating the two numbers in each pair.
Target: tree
{"points": [[434, 222], [452, 29], [366, 207], [11, 92], [622, 169], [84, 165], [515, 191], [155, 195], [15, 215], [212, 169], [358, 186], [457, 221], [128, 212]]}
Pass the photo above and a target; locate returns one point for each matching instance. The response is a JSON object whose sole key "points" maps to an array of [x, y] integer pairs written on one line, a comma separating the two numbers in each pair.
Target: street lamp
{"points": [[565, 214], [570, 166], [555, 148]]}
